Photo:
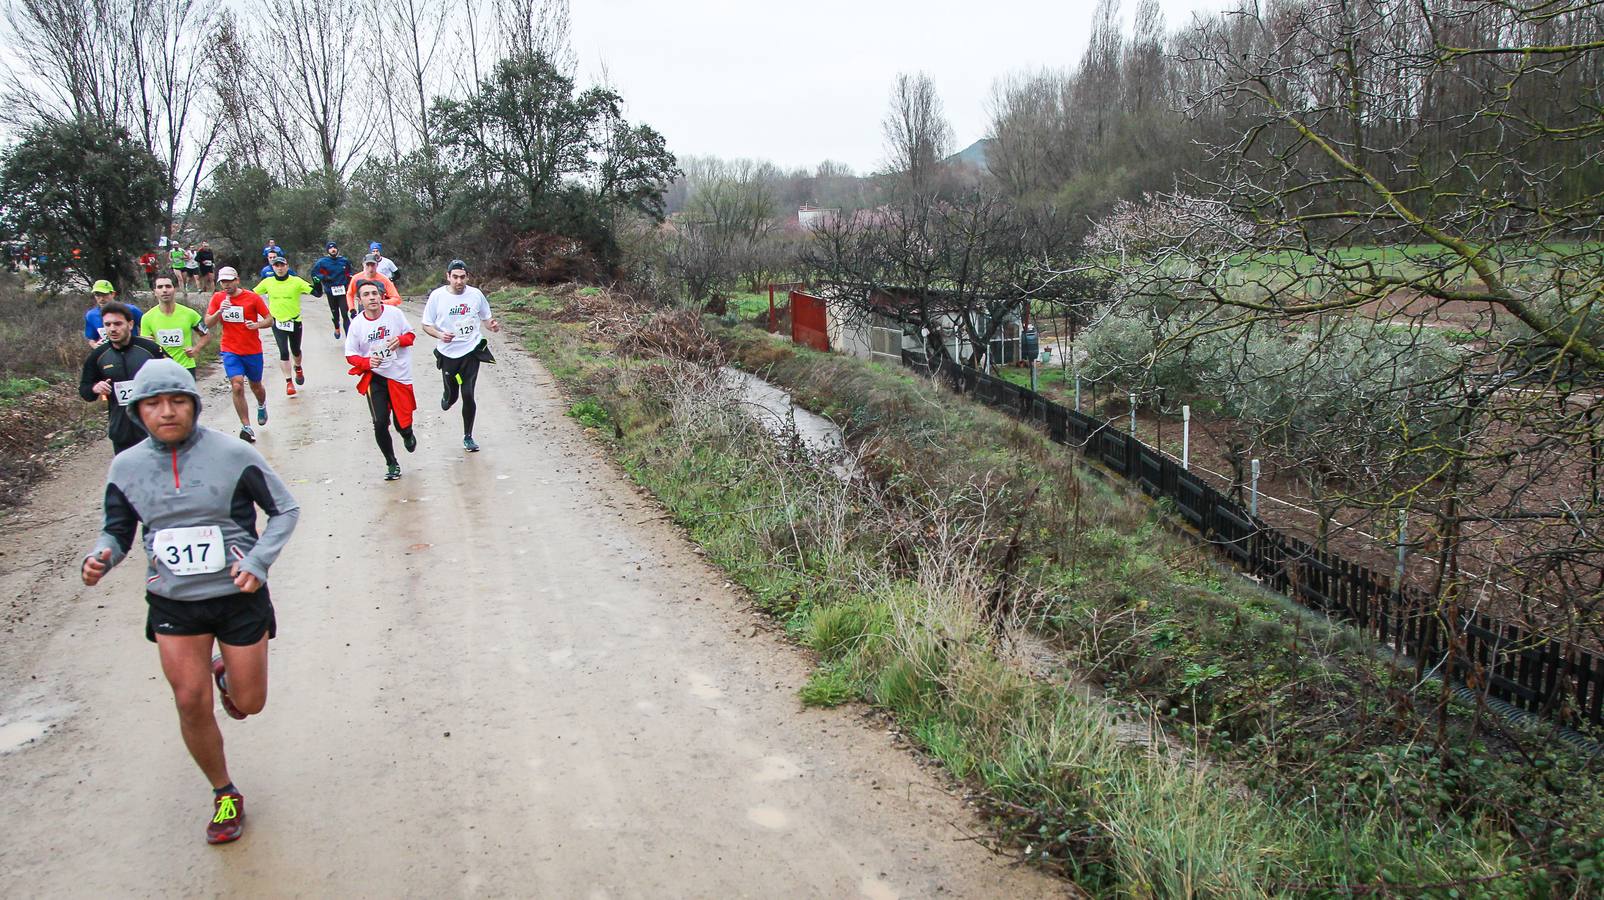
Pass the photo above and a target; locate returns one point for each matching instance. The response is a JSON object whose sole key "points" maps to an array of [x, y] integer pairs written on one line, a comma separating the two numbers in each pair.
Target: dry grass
{"points": [[41, 416]]}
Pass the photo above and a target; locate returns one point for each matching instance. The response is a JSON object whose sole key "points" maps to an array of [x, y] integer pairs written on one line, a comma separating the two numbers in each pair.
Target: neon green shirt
{"points": [[175, 333], [283, 296], [176, 257]]}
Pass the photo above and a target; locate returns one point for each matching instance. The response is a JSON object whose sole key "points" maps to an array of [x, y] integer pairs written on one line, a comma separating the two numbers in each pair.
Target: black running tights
{"points": [[339, 312], [467, 368], [383, 417]]}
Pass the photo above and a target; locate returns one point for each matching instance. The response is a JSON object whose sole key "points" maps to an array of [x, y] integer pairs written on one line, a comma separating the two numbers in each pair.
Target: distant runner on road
{"points": [[283, 292], [94, 329], [370, 267], [453, 316], [206, 578], [243, 314], [109, 372], [175, 260], [386, 266], [208, 266], [379, 348], [332, 272], [148, 262], [176, 329]]}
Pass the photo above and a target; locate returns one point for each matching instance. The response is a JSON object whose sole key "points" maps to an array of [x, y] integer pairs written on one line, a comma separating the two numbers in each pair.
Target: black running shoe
{"points": [[409, 440], [392, 473], [469, 445], [247, 435]]}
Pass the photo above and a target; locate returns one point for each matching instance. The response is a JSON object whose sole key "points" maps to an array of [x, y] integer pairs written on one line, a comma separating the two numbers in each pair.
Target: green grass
{"points": [[829, 686], [589, 413], [747, 306], [1317, 777], [15, 389]]}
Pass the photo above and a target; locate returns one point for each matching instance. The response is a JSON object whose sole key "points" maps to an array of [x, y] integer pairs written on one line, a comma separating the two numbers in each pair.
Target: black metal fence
{"points": [[1543, 675]]}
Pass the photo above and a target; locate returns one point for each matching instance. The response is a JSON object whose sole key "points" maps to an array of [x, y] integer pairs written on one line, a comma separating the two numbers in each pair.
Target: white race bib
{"points": [[381, 353], [336, 290], [467, 327], [190, 551], [170, 337], [285, 324], [233, 314], [102, 331], [122, 390]]}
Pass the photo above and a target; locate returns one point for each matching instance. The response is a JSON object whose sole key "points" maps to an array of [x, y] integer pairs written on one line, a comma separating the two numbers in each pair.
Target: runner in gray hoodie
{"points": [[196, 492]]}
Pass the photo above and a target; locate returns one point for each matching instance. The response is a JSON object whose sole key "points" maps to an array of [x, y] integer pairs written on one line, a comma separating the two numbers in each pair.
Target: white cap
{"points": [[227, 273]]}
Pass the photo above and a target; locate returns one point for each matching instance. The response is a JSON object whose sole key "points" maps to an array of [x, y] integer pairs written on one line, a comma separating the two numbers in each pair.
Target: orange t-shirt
{"points": [[238, 339], [392, 297]]}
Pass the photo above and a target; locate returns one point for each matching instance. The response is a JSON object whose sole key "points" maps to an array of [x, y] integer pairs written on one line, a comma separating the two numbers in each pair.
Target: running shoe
{"points": [[228, 818], [219, 676], [445, 400], [247, 435], [289, 388], [469, 445], [409, 440], [261, 415], [300, 377], [392, 473], [336, 334]]}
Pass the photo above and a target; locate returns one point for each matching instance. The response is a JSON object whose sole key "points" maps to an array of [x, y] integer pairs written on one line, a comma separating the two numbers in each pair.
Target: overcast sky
{"points": [[797, 83]]}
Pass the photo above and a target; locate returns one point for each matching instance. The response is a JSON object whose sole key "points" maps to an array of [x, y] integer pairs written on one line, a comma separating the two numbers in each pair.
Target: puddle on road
{"points": [[875, 889], [777, 768], [702, 687], [768, 817], [16, 735], [774, 409]]}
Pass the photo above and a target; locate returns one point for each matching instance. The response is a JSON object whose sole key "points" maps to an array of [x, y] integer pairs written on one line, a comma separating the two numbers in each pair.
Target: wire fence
{"points": [[1533, 671]]}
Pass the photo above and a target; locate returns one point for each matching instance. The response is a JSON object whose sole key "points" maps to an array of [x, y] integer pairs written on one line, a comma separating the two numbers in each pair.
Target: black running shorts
{"points": [[238, 620]]}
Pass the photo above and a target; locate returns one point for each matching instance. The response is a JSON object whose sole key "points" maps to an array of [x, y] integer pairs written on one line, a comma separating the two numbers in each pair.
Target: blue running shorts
{"points": [[248, 365]]}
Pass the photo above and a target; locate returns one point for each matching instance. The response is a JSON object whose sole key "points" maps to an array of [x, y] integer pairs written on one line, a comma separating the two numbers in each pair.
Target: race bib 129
{"points": [[190, 551]]}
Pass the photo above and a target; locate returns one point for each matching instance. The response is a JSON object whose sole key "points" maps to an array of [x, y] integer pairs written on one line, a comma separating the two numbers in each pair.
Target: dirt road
{"points": [[503, 675]]}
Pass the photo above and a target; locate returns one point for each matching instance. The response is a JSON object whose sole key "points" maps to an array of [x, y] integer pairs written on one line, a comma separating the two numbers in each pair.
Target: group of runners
{"points": [[191, 493]]}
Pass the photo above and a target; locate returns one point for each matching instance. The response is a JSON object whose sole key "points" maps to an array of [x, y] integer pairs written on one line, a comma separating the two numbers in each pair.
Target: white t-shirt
{"points": [[459, 314], [387, 267], [367, 335]]}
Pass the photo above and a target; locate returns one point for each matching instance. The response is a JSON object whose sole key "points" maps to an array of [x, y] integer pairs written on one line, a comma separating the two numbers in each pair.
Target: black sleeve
{"points": [[121, 518], [91, 374]]}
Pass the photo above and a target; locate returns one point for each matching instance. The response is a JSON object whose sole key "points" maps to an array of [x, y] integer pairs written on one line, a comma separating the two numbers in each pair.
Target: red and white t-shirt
{"points": [[368, 336], [246, 306]]}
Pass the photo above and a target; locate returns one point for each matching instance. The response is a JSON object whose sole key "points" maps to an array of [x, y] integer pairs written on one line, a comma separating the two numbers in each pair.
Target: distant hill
{"points": [[974, 154]]}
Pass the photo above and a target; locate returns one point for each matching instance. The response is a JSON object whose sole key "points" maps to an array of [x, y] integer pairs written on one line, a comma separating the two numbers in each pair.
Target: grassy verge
{"points": [[1141, 722]]}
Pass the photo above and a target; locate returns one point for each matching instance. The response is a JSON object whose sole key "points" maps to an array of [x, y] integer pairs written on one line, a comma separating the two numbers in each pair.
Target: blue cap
{"points": [[375, 245], [330, 245], [456, 264]]}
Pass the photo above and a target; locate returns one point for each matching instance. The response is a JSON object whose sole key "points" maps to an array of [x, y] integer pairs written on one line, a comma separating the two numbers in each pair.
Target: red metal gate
{"points": [[808, 322]]}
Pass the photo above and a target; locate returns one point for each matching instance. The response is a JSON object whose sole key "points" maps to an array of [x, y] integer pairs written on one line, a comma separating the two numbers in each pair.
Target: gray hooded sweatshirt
{"points": [[180, 492]]}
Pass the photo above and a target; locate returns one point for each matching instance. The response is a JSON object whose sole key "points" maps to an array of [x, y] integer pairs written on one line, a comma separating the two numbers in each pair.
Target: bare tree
{"points": [[918, 136], [138, 66], [327, 100]]}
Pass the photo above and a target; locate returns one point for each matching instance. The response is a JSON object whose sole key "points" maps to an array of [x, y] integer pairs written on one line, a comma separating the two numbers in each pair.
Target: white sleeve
{"points": [[353, 340], [484, 307], [431, 311]]}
